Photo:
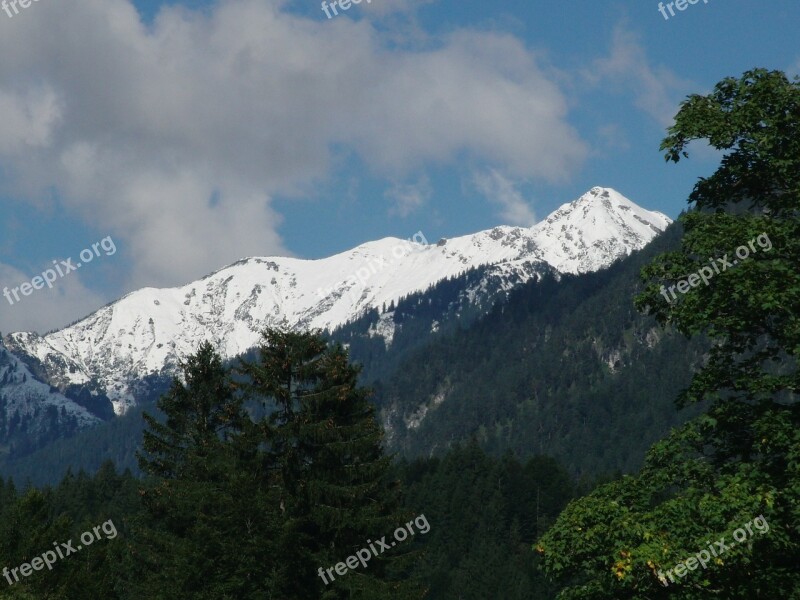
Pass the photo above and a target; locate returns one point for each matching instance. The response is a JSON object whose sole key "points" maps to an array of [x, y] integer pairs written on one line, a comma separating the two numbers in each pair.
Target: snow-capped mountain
{"points": [[30, 411], [148, 331]]}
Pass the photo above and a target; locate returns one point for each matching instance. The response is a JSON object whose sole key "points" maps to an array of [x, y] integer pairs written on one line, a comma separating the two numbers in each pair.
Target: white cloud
{"points": [[501, 190], [611, 137], [656, 89], [44, 309], [384, 7], [138, 128], [28, 118], [408, 197]]}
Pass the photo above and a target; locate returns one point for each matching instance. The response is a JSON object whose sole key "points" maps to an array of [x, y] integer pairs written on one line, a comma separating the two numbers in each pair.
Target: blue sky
{"points": [[195, 133]]}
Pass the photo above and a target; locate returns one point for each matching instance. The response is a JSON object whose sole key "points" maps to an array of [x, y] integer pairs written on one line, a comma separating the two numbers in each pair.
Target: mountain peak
{"points": [[599, 191], [608, 197], [601, 223], [149, 331]]}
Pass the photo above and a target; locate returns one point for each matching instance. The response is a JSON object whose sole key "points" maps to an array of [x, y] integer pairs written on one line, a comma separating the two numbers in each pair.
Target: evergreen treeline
{"points": [[565, 367], [558, 367], [116, 440], [483, 512], [449, 305], [240, 508], [32, 519]]}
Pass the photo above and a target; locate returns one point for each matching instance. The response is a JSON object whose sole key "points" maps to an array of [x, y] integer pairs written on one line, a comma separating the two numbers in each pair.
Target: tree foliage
{"points": [[739, 460]]}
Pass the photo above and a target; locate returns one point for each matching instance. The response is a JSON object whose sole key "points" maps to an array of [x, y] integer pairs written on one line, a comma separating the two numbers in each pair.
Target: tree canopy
{"points": [[740, 460]]}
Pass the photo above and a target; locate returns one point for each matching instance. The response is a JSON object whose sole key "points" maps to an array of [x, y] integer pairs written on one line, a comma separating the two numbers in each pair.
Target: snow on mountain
{"points": [[148, 331], [581, 236], [23, 399]]}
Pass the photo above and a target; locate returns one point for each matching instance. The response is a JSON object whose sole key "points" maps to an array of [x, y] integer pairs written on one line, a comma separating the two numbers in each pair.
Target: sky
{"points": [[189, 134]]}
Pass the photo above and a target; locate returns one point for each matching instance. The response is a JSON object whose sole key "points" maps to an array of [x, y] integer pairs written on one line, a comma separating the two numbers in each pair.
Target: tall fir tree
{"points": [[326, 448], [197, 538]]}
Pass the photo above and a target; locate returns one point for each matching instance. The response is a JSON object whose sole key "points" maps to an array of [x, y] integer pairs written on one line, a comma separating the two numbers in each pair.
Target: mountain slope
{"points": [[31, 412], [146, 333], [563, 367]]}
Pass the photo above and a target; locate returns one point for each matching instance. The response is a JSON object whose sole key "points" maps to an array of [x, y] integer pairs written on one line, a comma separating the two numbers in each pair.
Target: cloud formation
{"points": [[45, 309], [656, 90], [408, 197], [174, 137], [502, 191]]}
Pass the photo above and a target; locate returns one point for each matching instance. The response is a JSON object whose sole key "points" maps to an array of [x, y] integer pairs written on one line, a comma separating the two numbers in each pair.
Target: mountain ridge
{"points": [[147, 332]]}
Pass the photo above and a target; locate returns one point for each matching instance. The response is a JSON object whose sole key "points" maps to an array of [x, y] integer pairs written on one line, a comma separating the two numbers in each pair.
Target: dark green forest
{"points": [[540, 373], [483, 513], [236, 508], [572, 364]]}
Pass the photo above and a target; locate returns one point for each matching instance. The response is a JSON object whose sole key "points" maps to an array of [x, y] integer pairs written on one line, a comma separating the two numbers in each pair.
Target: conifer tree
{"points": [[198, 518], [326, 448]]}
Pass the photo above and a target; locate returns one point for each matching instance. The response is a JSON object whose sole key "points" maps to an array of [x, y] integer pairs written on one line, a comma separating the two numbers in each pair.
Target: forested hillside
{"points": [[566, 367], [483, 514], [559, 367], [278, 498]]}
